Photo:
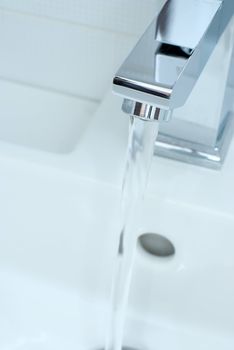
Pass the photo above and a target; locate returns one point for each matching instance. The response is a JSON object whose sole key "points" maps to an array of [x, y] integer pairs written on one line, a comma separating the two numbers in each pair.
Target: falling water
{"points": [[142, 136]]}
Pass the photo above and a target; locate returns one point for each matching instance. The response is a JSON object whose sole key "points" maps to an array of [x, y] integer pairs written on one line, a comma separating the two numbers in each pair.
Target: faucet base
{"points": [[195, 153]]}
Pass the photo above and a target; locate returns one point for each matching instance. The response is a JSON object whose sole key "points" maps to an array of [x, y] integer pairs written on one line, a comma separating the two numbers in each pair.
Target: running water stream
{"points": [[142, 136]]}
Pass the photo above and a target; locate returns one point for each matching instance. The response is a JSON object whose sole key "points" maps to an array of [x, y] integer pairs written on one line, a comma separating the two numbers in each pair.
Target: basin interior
{"points": [[57, 247], [44, 120]]}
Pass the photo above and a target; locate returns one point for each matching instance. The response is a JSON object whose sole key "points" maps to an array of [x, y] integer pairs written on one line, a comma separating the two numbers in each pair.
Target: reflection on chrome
{"points": [[167, 62]]}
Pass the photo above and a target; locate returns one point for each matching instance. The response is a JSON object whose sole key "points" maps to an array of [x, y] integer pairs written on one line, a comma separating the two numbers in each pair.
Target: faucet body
{"points": [[181, 70]]}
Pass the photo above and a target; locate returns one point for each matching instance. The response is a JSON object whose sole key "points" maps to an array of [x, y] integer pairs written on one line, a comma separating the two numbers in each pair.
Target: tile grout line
{"points": [[73, 23]]}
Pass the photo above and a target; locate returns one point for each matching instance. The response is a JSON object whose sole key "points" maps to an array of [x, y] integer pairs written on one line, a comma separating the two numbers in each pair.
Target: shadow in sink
{"points": [[41, 119]]}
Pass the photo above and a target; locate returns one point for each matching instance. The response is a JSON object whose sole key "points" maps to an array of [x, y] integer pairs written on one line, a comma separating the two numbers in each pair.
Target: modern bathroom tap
{"points": [[166, 75]]}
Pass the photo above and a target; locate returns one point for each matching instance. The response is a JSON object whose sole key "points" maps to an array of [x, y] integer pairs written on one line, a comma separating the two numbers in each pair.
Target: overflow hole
{"points": [[157, 245]]}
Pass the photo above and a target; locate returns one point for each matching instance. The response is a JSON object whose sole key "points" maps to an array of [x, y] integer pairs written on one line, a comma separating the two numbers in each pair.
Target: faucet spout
{"points": [[145, 111], [182, 67], [169, 58]]}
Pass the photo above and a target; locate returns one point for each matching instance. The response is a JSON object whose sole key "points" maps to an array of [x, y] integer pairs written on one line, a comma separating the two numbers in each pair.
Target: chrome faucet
{"points": [[181, 70]]}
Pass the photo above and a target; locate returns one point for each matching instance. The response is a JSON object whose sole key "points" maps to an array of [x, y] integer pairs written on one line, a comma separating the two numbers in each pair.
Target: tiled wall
{"points": [[72, 46], [124, 16]]}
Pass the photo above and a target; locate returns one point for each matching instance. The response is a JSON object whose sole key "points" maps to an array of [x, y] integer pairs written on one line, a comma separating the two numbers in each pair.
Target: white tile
{"points": [[66, 57], [119, 15]]}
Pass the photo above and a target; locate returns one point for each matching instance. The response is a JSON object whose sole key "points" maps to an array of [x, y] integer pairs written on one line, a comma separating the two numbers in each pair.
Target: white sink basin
{"points": [[58, 241], [61, 161], [46, 121]]}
